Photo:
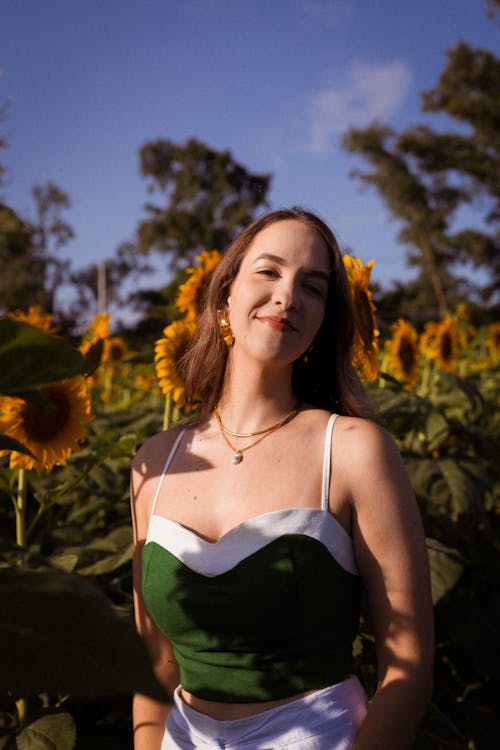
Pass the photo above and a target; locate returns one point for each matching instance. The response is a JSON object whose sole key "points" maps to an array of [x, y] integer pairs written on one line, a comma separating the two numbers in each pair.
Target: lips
{"points": [[276, 322]]}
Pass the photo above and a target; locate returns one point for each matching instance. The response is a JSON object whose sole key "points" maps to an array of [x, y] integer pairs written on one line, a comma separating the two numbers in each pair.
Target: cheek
{"points": [[318, 314]]}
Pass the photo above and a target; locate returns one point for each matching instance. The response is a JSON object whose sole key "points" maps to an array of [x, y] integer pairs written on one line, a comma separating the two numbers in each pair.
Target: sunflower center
{"points": [[365, 319], [43, 420], [406, 355], [446, 346], [115, 352]]}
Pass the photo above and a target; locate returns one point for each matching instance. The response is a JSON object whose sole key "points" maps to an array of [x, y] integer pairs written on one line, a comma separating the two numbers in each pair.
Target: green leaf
{"points": [[438, 732], [456, 397], [108, 564], [30, 358], [103, 555], [117, 540], [423, 472], [446, 568], [464, 491], [60, 634], [436, 429], [54, 731], [66, 561], [125, 446], [8, 443]]}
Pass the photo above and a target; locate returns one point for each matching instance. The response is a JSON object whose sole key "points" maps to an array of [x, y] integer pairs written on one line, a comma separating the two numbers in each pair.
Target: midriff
{"points": [[230, 711]]}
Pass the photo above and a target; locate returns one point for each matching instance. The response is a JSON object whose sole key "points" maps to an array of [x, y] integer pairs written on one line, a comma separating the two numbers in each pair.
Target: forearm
{"points": [[394, 714], [149, 718]]}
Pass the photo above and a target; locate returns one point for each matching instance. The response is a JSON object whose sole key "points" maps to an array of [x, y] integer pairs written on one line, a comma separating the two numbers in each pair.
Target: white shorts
{"points": [[327, 719]]}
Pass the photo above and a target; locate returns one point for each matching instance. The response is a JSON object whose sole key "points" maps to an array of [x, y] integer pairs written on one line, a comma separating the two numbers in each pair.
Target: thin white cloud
{"points": [[370, 91], [330, 13]]}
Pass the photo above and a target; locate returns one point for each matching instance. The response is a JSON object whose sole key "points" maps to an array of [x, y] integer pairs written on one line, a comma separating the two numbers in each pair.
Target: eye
{"points": [[314, 289], [270, 272]]}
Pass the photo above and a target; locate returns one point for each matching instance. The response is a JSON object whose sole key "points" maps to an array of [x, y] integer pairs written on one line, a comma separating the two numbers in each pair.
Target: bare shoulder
{"points": [[365, 439], [152, 450], [314, 419], [147, 467], [371, 463]]}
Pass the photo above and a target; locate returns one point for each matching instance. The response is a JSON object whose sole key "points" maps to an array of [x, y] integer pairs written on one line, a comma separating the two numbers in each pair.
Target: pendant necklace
{"points": [[238, 452]]}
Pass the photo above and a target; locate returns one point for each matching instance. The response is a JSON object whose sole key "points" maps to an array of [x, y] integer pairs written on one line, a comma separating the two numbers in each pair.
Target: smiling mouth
{"points": [[278, 324]]}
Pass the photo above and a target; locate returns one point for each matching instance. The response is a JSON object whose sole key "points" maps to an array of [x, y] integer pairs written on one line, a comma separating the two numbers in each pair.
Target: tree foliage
{"points": [[3, 144], [17, 284], [206, 198], [50, 232], [32, 272], [122, 266], [425, 176], [492, 8]]}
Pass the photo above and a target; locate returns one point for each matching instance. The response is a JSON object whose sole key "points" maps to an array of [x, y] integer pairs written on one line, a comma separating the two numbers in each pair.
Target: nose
{"points": [[285, 294]]}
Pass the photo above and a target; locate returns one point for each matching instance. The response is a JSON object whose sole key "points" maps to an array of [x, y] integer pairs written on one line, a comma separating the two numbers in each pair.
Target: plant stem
{"points": [[108, 382], [167, 414], [425, 382], [38, 515], [382, 383], [20, 506], [21, 710]]}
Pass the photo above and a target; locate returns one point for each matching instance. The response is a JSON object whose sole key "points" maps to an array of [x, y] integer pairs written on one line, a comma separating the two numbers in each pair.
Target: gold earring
{"points": [[304, 360], [225, 328]]}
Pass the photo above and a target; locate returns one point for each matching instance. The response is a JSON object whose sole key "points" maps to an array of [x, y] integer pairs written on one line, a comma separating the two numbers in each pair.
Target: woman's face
{"points": [[277, 300]]}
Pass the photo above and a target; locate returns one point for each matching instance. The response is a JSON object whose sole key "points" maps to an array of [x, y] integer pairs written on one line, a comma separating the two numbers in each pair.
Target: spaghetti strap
{"points": [[165, 468], [325, 485]]}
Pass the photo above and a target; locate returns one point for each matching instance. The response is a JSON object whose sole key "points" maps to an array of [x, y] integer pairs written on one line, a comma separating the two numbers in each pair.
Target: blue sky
{"points": [[274, 81]]}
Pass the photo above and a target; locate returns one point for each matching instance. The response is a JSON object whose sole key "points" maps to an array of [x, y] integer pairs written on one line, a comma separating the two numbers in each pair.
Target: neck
{"points": [[254, 397]]}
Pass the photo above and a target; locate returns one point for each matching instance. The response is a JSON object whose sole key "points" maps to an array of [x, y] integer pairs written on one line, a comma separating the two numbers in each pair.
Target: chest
{"points": [[208, 494]]}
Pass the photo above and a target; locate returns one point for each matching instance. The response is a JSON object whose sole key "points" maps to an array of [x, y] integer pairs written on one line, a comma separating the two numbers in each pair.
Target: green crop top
{"points": [[269, 610]]}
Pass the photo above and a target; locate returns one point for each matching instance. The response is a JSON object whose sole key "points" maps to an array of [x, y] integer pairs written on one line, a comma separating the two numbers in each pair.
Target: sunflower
{"points": [[100, 327], [35, 317], [365, 348], [463, 312], [145, 383], [466, 331], [403, 352], [427, 343], [114, 350], [447, 343], [50, 427], [98, 331], [168, 352], [191, 295], [441, 342], [493, 340]]}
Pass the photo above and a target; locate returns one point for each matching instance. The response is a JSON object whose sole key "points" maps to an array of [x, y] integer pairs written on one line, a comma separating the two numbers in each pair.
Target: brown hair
{"points": [[326, 379]]}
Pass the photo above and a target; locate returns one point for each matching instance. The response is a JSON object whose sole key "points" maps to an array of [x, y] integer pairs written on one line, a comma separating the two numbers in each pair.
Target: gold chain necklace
{"points": [[238, 452], [283, 421]]}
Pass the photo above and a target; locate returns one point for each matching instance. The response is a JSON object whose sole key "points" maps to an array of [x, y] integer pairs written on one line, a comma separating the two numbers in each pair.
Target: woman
{"points": [[256, 525]]}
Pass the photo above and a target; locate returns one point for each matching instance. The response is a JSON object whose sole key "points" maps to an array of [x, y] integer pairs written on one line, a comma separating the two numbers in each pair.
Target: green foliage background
{"points": [[69, 655]]}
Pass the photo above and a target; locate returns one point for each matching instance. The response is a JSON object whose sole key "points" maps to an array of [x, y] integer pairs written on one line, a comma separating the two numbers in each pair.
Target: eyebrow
{"points": [[280, 261]]}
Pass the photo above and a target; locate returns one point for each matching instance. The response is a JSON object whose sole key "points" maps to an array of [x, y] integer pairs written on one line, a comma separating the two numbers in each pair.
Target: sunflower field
{"points": [[72, 416]]}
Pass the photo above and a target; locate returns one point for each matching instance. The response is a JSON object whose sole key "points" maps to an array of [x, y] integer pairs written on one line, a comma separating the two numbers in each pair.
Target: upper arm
{"points": [[390, 550], [145, 474]]}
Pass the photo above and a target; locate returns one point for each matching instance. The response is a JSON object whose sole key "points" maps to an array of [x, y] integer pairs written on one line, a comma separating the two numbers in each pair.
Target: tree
{"points": [[424, 176], [492, 8], [207, 198], [31, 271], [50, 232], [18, 286], [3, 144], [118, 269]]}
